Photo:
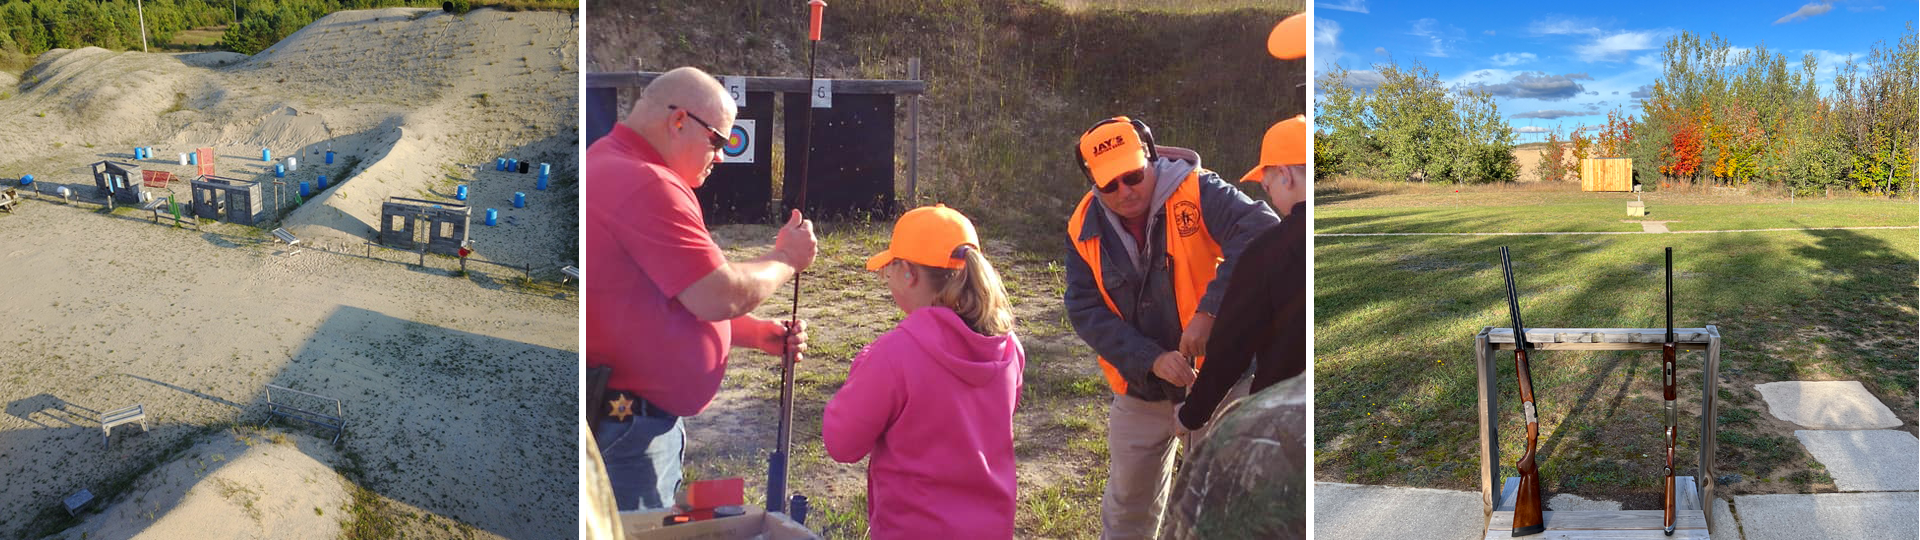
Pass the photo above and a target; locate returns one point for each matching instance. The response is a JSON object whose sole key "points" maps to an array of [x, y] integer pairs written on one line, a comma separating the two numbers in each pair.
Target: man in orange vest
{"points": [[1154, 242]]}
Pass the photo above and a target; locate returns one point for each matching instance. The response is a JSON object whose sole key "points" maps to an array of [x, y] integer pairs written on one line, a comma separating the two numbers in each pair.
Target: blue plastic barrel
{"points": [[26, 180], [513, 164], [136, 152], [493, 217], [323, 181], [460, 192], [306, 190], [500, 164], [329, 157], [541, 184], [266, 155], [279, 170], [519, 199], [193, 158]]}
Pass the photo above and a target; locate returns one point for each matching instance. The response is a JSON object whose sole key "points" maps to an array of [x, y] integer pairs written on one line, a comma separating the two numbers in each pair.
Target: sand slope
{"points": [[239, 484]]}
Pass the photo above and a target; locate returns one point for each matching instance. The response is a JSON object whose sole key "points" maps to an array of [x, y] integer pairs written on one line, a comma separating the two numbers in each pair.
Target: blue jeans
{"points": [[643, 460]]}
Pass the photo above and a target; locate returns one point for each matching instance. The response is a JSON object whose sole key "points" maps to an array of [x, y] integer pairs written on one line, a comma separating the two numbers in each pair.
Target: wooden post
{"points": [[1483, 358], [913, 137]]}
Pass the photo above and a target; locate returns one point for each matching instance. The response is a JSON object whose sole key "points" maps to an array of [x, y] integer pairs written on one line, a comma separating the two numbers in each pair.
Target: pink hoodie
{"points": [[933, 402]]}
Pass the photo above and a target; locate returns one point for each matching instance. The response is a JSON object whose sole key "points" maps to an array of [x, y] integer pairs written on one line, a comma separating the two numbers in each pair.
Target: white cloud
{"points": [[1382, 51], [1356, 6], [1365, 79], [1562, 27], [1614, 47], [1512, 59], [1326, 44], [1489, 32], [1807, 11], [1530, 129], [1430, 29]]}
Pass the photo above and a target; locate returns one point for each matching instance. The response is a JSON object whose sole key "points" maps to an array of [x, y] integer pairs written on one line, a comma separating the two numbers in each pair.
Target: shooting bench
{"points": [[316, 416], [1692, 520], [124, 415], [291, 240], [572, 272]]}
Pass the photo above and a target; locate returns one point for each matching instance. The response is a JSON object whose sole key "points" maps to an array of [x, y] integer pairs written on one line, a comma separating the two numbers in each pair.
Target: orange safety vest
{"points": [[1194, 252]]}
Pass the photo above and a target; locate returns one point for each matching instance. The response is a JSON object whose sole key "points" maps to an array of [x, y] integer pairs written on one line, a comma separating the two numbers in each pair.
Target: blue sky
{"points": [[1567, 63]]}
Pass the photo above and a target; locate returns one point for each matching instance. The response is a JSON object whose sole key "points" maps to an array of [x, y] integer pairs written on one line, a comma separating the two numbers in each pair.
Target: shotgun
{"points": [[1667, 353], [1527, 518]]}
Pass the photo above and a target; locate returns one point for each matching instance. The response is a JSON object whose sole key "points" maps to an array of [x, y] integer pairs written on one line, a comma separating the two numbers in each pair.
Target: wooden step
{"points": [[1608, 525]]}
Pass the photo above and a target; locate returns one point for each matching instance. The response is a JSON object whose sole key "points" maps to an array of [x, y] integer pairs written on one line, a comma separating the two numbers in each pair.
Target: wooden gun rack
{"points": [[336, 421], [1697, 492]]}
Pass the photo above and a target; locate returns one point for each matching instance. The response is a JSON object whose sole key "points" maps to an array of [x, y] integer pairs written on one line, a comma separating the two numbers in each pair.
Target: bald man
{"points": [[663, 304]]}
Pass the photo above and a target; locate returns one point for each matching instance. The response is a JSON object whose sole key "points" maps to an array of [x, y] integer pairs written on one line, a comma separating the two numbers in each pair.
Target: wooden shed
{"points": [[1606, 174], [117, 180], [228, 199], [408, 223]]}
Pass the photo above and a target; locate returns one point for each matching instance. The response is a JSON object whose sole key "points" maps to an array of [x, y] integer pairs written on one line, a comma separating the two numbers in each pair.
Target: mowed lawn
{"points": [[1395, 317], [1376, 208]]}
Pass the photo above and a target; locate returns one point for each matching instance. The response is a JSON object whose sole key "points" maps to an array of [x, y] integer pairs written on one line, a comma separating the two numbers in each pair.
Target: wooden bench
{"points": [[571, 272], [126, 415], [154, 206], [289, 238], [9, 199], [77, 501]]}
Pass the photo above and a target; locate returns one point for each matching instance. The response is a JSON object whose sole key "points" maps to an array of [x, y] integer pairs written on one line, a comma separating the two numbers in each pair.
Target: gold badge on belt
{"points": [[622, 408]]}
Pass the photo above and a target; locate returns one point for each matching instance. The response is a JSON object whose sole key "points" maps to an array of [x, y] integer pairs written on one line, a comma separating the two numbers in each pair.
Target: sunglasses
{"points": [[714, 136], [1130, 179]]}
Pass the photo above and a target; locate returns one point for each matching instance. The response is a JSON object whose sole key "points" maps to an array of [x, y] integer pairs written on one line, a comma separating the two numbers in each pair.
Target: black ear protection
{"points": [[1140, 128]]}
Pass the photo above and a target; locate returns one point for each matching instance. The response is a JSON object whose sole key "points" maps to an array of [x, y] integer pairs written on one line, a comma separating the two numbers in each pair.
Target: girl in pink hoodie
{"points": [[932, 400]]}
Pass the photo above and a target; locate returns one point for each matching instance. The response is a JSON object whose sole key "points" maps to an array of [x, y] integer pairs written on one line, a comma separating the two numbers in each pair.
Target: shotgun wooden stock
{"points": [[1667, 368], [1528, 518]]}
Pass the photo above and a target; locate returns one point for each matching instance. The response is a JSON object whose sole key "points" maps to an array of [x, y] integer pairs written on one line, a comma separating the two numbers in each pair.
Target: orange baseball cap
{"points": [[1289, 38], [1284, 144], [1112, 149], [928, 235]]}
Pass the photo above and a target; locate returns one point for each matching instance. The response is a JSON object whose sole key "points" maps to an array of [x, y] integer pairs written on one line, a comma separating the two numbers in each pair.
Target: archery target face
{"points": [[739, 148]]}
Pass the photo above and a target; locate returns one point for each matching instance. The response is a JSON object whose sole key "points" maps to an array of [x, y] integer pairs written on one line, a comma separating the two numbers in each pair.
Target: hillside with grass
{"points": [[1011, 84]]}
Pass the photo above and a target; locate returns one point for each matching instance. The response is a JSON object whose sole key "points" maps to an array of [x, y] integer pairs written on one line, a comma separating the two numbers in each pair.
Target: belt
{"points": [[635, 406]]}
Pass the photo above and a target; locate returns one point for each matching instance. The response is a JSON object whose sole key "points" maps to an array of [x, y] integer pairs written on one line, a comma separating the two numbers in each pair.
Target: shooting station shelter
{"points": [[117, 180], [1606, 174], [850, 162], [410, 223], [228, 199]]}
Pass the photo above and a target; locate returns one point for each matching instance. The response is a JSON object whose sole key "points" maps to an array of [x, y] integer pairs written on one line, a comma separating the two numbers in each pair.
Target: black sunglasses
{"points": [[1130, 179], [714, 136]]}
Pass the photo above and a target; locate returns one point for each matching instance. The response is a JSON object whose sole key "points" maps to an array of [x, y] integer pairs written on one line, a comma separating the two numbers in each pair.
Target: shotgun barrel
{"points": [[1667, 368], [1527, 516]]}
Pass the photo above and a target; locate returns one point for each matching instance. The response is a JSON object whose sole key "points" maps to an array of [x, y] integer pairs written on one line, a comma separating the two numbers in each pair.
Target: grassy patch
{"points": [[1395, 387]]}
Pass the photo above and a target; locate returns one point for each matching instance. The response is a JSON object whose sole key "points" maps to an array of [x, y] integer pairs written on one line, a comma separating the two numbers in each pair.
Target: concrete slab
{"points": [[1725, 527], [1881, 516], [1826, 405], [1871, 460], [1349, 511]]}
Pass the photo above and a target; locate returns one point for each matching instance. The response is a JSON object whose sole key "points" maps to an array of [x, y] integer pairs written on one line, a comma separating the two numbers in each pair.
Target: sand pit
{"points": [[459, 390]]}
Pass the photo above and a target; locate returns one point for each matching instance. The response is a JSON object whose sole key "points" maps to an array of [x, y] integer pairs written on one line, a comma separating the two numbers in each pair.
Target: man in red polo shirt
{"points": [[663, 305]]}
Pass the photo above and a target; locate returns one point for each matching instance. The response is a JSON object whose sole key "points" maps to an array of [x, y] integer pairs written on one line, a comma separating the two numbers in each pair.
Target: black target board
{"points": [[850, 169], [603, 104], [741, 190]]}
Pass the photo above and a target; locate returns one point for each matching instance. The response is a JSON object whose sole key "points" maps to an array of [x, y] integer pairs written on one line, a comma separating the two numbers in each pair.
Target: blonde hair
{"points": [[972, 291]]}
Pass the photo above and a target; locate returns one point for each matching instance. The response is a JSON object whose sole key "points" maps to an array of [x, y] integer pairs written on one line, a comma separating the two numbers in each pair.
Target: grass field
{"points": [[1363, 207], [1394, 320], [1060, 434]]}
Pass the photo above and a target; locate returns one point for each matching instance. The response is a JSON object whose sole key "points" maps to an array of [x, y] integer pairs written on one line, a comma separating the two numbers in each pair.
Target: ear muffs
{"points": [[1139, 128]]}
